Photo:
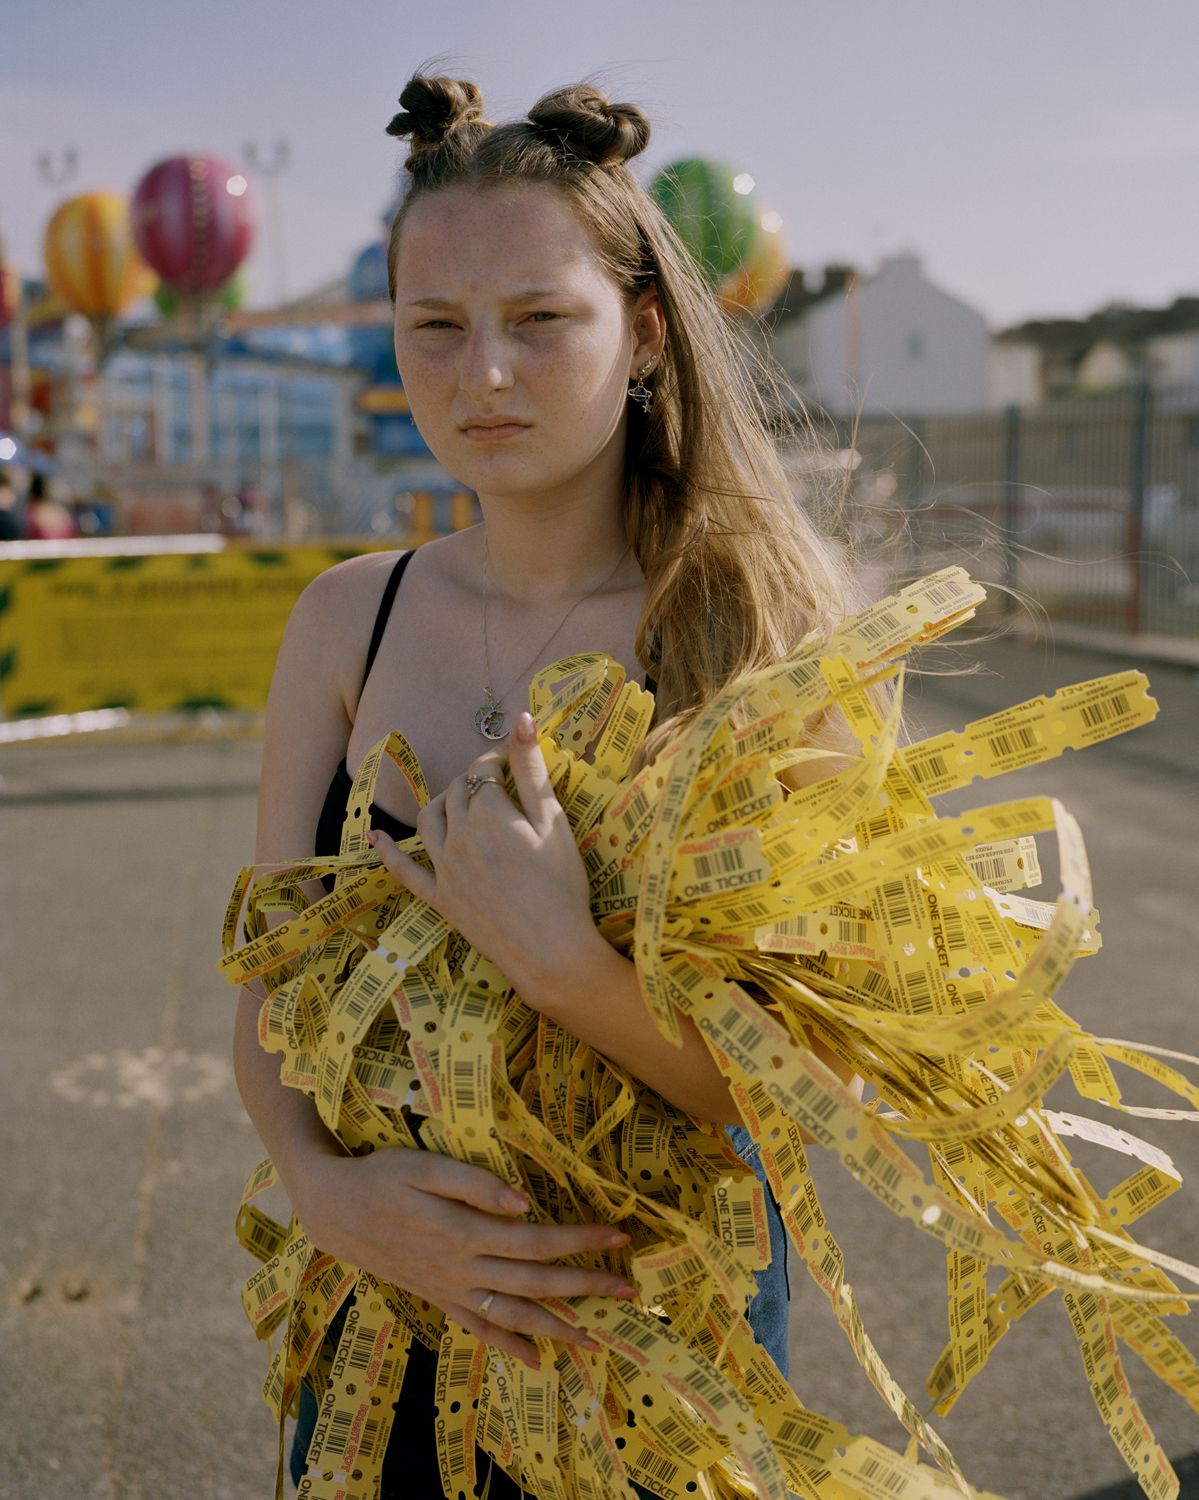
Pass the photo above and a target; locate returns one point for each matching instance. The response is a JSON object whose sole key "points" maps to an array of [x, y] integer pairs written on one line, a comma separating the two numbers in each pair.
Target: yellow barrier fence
{"points": [[149, 624]]}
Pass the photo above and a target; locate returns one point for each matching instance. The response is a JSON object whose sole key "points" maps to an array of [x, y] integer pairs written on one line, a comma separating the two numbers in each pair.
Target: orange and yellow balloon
{"points": [[91, 259]]}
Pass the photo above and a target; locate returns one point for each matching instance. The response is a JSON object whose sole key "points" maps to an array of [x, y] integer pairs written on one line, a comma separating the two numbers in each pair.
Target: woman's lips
{"points": [[480, 432]]}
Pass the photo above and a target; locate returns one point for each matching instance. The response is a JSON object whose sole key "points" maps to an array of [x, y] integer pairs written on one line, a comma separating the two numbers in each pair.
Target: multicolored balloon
{"points": [[733, 239], [91, 259], [194, 220]]}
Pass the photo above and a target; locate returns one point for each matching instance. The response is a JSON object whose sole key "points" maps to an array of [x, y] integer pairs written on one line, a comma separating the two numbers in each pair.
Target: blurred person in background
{"points": [[46, 519], [251, 519], [12, 528]]}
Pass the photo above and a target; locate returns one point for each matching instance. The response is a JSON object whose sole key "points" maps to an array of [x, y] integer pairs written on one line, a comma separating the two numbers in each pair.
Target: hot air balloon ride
{"points": [[733, 237], [92, 261], [194, 219]]}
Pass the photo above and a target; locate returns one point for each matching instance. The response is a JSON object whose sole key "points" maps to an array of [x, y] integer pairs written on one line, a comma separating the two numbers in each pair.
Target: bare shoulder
{"points": [[330, 627], [346, 590]]}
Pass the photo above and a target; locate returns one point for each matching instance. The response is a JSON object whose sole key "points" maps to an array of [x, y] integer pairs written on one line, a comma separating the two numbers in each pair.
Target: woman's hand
{"points": [[511, 881], [514, 884], [444, 1231]]}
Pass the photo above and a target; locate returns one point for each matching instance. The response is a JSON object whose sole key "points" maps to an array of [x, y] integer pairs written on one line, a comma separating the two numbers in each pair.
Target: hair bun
{"points": [[582, 121], [433, 107]]}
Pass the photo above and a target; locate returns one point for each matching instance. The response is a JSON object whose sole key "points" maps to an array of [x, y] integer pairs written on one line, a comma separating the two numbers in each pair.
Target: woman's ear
{"points": [[649, 332]]}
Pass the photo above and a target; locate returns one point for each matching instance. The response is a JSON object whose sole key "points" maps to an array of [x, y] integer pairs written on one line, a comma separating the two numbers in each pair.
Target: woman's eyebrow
{"points": [[532, 294], [535, 294]]}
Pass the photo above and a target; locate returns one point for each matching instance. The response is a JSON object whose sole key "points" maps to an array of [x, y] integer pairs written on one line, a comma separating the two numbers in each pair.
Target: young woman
{"points": [[563, 360]]}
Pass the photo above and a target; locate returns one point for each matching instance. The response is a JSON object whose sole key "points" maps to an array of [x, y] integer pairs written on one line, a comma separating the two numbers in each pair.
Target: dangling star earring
{"points": [[640, 392]]}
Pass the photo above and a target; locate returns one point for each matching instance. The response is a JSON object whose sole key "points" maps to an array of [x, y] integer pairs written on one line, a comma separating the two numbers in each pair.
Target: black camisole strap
{"points": [[388, 599]]}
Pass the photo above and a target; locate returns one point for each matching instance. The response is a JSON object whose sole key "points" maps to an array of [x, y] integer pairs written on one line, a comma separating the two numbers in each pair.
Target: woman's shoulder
{"points": [[329, 628], [340, 596], [350, 578], [340, 604], [332, 620], [359, 580]]}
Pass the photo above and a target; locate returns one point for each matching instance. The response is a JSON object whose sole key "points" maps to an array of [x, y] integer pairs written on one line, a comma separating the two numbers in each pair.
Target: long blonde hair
{"points": [[735, 571]]}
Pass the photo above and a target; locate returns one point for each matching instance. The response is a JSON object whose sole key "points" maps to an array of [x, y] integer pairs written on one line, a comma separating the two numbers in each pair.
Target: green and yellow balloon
{"points": [[732, 237]]}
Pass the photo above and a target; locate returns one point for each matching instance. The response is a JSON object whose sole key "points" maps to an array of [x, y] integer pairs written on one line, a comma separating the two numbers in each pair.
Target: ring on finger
{"points": [[485, 1305], [473, 783]]}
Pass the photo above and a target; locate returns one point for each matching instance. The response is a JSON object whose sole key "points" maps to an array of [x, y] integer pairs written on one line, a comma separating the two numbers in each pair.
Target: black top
{"points": [[333, 813]]}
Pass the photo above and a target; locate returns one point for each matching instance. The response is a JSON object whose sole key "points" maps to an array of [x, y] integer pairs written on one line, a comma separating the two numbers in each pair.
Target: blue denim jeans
{"points": [[410, 1469], [770, 1309]]}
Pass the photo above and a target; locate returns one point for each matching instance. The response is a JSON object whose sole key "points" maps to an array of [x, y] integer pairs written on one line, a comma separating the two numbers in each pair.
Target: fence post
{"points": [[1142, 408], [916, 460], [1011, 505]]}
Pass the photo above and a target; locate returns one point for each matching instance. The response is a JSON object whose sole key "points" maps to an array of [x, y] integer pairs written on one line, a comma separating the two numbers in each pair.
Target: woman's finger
{"points": [[528, 1321], [431, 825], [490, 763], [413, 877], [520, 1316], [448, 1178], [516, 1239], [496, 1337], [533, 1280], [532, 780], [487, 773]]}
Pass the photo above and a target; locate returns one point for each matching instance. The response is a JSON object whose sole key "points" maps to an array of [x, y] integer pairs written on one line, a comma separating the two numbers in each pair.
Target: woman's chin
{"points": [[499, 472]]}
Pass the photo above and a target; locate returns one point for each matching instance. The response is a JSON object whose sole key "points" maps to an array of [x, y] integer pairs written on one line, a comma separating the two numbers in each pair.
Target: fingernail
{"points": [[625, 1291], [590, 1345], [514, 1202], [615, 1241], [371, 836], [533, 1364], [526, 729]]}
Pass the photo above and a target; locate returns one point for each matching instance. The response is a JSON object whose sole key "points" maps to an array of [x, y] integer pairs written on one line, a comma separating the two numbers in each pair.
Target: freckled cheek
{"points": [[430, 385], [585, 379]]}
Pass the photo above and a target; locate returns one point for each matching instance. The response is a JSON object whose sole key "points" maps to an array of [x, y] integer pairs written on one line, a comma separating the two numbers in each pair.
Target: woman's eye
{"points": [[542, 317], [436, 323]]}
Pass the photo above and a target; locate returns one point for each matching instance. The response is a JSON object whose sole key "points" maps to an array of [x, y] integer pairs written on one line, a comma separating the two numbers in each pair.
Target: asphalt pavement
{"points": [[131, 1372]]}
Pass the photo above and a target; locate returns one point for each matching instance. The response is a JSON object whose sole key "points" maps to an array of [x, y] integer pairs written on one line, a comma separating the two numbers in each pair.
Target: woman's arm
{"points": [[513, 883], [443, 1230], [313, 698]]}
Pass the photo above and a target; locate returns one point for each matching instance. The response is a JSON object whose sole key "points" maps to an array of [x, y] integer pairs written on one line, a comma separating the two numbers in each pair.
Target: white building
{"points": [[1173, 359], [1106, 366], [891, 342]]}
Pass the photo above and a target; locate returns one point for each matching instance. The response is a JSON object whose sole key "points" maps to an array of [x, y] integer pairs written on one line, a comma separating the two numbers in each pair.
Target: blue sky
{"points": [[1040, 157]]}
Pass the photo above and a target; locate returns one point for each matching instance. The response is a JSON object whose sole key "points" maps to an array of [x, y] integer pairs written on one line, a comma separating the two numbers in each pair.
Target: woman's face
{"points": [[514, 345]]}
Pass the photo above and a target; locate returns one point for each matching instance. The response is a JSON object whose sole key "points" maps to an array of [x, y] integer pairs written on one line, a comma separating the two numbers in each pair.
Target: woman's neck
{"points": [[554, 549]]}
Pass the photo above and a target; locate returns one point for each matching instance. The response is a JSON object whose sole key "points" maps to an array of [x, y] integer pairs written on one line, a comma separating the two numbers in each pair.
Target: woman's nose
{"points": [[486, 363]]}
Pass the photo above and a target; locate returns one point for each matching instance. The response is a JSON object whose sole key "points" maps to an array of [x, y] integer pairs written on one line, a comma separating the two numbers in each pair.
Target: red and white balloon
{"points": [[194, 220]]}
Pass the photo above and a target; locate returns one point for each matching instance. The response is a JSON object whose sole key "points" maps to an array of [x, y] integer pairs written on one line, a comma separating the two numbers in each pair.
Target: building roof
{"points": [[1067, 340], [797, 297]]}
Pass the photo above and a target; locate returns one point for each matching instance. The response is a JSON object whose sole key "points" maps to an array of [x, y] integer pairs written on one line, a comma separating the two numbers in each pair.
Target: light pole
{"points": [[269, 173], [57, 173]]}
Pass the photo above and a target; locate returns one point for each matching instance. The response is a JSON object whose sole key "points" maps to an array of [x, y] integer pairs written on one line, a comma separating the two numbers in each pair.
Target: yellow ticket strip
{"points": [[1033, 732], [847, 911]]}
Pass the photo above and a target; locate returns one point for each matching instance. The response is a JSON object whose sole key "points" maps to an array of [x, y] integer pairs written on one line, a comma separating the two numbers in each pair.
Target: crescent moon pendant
{"points": [[489, 721]]}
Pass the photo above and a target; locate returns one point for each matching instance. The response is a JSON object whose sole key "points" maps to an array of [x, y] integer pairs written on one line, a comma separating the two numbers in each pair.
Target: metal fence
{"points": [[1089, 507]]}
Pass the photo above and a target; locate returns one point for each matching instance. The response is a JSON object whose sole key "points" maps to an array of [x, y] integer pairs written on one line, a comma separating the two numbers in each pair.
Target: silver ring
{"points": [[473, 783], [485, 1305]]}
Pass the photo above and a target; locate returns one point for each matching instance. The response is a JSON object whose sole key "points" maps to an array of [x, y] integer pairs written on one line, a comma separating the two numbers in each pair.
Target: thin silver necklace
{"points": [[489, 717]]}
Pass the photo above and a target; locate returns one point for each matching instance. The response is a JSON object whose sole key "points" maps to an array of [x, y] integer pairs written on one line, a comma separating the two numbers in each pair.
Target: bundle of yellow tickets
{"points": [[846, 911]]}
